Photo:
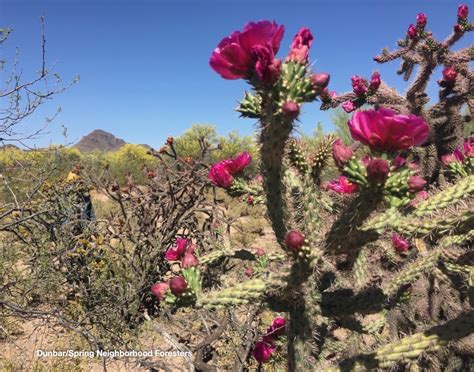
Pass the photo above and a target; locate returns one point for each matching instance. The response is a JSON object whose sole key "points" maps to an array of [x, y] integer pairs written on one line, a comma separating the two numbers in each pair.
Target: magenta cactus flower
{"points": [[178, 285], [422, 195], [449, 74], [239, 163], [377, 170], [159, 290], [300, 45], [421, 20], [463, 11], [416, 183], [375, 81], [385, 130], [412, 31], [400, 244], [343, 186], [341, 154], [176, 252], [262, 351], [468, 147], [349, 106], [234, 57], [220, 175], [267, 68], [277, 327], [294, 240], [359, 85], [291, 109]]}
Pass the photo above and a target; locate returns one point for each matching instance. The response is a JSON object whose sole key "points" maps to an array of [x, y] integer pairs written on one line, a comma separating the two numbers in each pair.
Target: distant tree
{"points": [[188, 143], [339, 119]]}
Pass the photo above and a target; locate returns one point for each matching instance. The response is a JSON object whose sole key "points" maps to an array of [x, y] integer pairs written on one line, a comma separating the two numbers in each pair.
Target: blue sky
{"points": [[144, 64]]}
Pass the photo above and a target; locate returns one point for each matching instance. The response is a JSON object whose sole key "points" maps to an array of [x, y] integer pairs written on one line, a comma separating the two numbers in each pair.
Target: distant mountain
{"points": [[99, 140]]}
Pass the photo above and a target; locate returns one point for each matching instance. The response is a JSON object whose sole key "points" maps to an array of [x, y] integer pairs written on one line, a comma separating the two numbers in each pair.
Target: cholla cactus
{"points": [[388, 258]]}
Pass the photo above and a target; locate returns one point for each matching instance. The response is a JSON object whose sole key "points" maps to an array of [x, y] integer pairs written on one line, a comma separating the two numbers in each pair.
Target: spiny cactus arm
{"points": [[240, 294], [439, 224], [445, 198], [297, 156], [215, 255], [250, 106], [360, 270], [321, 157], [411, 272]]}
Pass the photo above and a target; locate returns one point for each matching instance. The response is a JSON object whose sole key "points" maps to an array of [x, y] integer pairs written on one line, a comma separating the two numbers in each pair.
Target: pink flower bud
{"points": [[400, 244], [398, 162], [248, 271], [377, 170], [375, 81], [458, 28], [178, 285], [291, 109], [349, 106], [220, 175], [463, 11], [262, 351], [319, 81], [189, 260], [448, 159], [260, 252], [159, 290], [412, 32], [359, 86], [449, 74], [299, 48], [421, 20], [250, 200], [341, 154], [294, 240], [416, 183], [176, 252]]}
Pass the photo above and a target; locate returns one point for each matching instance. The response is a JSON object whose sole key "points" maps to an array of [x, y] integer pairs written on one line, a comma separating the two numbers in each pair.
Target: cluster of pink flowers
{"points": [[459, 155], [362, 89], [384, 130], [413, 31], [222, 173], [183, 251], [263, 350]]}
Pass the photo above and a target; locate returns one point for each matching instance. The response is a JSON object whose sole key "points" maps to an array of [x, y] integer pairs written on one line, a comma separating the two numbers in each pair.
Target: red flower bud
{"points": [[359, 85], [341, 154], [416, 183], [277, 328], [248, 271], [412, 31], [250, 200], [377, 170], [319, 81], [421, 20], [189, 260], [178, 285], [449, 74], [291, 109], [159, 290], [463, 11], [375, 81], [260, 252], [294, 240], [349, 106]]}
